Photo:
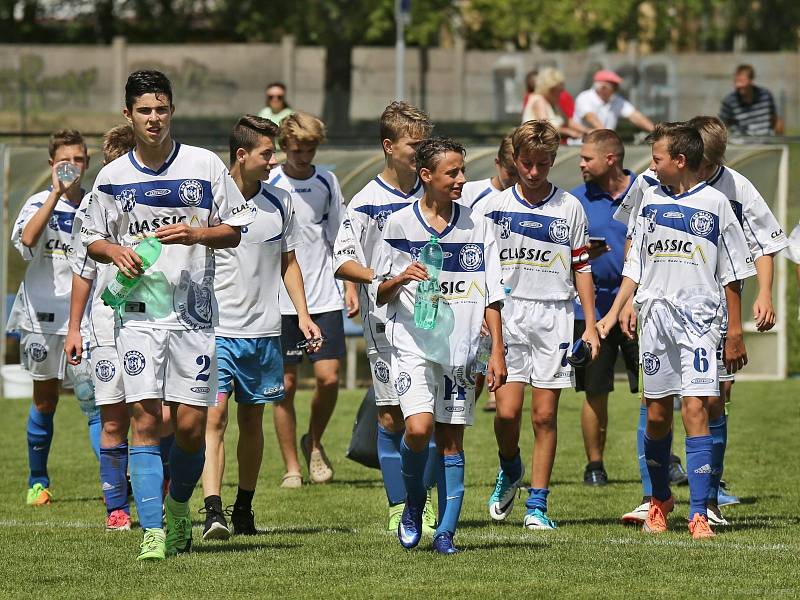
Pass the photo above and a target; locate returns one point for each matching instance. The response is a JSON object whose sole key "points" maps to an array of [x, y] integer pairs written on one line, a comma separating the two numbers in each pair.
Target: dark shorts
{"points": [[598, 376], [332, 326]]}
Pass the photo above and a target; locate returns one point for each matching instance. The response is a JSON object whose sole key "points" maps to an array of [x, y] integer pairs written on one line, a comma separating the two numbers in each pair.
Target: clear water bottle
{"points": [[426, 302], [67, 173], [119, 288], [484, 354], [84, 387]]}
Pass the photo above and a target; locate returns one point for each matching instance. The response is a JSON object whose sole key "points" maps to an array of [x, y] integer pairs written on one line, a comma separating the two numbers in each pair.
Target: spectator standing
{"points": [[750, 109], [277, 108], [545, 105], [600, 107], [565, 100]]}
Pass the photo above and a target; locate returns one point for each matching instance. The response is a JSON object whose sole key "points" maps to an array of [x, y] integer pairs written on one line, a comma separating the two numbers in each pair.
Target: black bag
{"points": [[364, 441]]}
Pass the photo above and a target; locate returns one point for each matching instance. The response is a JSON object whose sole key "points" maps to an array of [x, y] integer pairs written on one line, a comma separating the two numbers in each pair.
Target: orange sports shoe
{"points": [[38, 495], [656, 521], [699, 528]]}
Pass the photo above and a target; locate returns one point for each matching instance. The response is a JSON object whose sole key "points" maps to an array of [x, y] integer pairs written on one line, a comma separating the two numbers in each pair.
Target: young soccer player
{"points": [[42, 235], [164, 335], [248, 334], [109, 393], [506, 176], [319, 211], [542, 234], [402, 129], [432, 367], [686, 245]]}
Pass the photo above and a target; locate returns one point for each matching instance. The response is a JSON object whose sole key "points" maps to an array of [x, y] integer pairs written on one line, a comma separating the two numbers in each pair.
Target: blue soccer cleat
{"points": [[501, 501], [409, 530], [536, 519], [443, 544], [726, 499]]}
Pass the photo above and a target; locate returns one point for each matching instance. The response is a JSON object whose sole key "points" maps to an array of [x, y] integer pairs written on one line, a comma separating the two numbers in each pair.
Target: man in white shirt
{"points": [[600, 107]]}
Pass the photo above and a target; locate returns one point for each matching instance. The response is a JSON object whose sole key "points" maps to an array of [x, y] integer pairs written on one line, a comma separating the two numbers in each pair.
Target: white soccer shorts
{"points": [[675, 358], [427, 387], [538, 336], [173, 365], [106, 375], [721, 369], [42, 355], [380, 364]]}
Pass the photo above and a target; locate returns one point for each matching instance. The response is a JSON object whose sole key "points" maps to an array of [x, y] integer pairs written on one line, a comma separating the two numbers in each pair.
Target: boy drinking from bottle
{"points": [[433, 367]]}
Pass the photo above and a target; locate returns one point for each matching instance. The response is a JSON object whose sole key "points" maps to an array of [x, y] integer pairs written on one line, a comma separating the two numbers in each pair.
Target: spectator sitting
{"points": [[544, 104], [750, 109], [277, 109], [565, 100], [601, 106]]}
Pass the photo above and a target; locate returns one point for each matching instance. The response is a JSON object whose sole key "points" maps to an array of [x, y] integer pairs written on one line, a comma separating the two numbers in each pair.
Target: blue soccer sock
{"points": [[644, 473], [450, 491], [40, 436], [657, 455], [719, 437], [431, 475], [113, 477], [185, 470], [95, 427], [147, 478], [698, 467], [165, 445], [512, 467], [413, 469], [537, 498], [389, 459]]}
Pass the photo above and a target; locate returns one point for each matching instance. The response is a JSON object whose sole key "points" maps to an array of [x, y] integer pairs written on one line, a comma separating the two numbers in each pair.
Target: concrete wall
{"points": [[452, 84]]}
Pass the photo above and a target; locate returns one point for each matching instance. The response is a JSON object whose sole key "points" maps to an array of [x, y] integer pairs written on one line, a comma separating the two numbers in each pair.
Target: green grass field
{"points": [[329, 540]]}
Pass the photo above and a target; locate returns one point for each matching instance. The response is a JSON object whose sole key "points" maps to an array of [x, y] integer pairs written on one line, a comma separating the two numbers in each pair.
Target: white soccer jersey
{"points": [[248, 276], [470, 280], [793, 249], [319, 211], [42, 303], [628, 209], [98, 323], [360, 238], [130, 201], [475, 191], [537, 242], [684, 249]]}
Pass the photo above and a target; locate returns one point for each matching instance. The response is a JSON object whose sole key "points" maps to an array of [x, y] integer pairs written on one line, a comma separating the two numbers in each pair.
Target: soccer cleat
{"points": [[118, 520], [428, 516], [699, 528], [153, 546], [395, 514], [501, 502], [409, 530], [715, 518], [594, 476], [243, 520], [638, 515], [39, 495], [443, 544], [656, 521], [677, 474], [179, 531], [319, 467], [726, 499], [216, 527], [537, 519]]}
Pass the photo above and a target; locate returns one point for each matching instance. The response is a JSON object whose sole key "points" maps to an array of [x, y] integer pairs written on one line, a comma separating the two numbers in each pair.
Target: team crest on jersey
{"points": [[105, 370], [402, 383], [37, 352], [701, 223], [126, 199], [53, 223], [470, 257], [191, 192], [194, 299], [650, 363], [650, 219], [134, 362], [382, 371], [381, 217], [505, 227], [415, 252], [559, 231]]}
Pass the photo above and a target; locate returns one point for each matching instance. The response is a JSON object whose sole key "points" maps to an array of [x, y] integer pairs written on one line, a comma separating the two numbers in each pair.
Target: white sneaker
{"points": [[502, 500], [715, 518], [637, 516]]}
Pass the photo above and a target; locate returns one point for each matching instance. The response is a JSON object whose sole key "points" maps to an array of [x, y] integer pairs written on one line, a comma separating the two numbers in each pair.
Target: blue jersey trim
{"points": [[397, 192], [276, 179], [453, 260], [527, 204], [163, 193], [481, 196], [717, 176], [431, 230], [691, 192], [274, 200], [147, 170]]}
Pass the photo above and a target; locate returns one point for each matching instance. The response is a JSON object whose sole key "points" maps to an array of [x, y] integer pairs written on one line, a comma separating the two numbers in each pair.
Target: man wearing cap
{"points": [[601, 107]]}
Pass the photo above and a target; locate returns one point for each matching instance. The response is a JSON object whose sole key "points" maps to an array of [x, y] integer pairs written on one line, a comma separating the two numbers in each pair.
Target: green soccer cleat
{"points": [[395, 514], [39, 495], [429, 516], [153, 546], [179, 529]]}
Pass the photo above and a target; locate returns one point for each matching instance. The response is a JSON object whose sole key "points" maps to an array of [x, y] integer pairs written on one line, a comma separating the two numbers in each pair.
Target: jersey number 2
{"points": [[205, 364]]}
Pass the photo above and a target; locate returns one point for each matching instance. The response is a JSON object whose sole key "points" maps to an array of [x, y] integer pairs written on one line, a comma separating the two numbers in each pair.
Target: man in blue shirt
{"points": [[605, 185]]}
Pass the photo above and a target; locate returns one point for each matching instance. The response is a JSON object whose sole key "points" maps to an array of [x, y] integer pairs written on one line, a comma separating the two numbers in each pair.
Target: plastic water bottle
{"points": [[84, 387], [426, 302], [482, 357], [119, 288], [67, 173]]}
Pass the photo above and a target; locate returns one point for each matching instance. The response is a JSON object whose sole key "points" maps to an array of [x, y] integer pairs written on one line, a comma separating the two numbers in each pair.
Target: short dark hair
{"points": [[682, 140], [430, 152], [65, 137], [146, 82], [746, 69], [662, 129], [247, 131], [609, 140]]}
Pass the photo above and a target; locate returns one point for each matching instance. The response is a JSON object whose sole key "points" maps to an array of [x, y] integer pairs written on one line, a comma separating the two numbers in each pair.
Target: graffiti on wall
{"points": [[27, 86]]}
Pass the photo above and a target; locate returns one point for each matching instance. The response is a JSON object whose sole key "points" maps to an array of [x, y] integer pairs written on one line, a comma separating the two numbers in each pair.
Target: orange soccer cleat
{"points": [[656, 521]]}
